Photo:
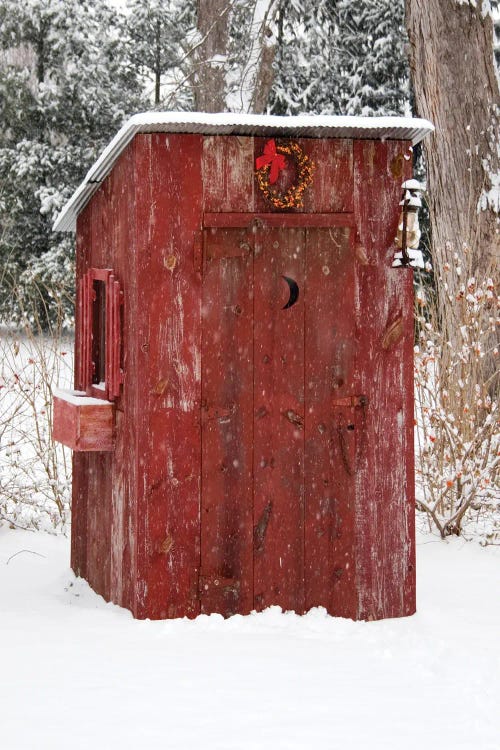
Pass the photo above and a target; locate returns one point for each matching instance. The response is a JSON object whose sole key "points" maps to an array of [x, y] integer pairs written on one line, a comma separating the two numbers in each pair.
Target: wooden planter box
{"points": [[82, 423]]}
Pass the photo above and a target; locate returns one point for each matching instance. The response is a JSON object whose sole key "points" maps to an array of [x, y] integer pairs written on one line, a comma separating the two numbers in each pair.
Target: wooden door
{"points": [[279, 424]]}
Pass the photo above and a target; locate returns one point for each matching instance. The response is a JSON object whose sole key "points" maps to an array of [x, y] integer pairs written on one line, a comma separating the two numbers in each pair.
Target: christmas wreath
{"points": [[269, 165]]}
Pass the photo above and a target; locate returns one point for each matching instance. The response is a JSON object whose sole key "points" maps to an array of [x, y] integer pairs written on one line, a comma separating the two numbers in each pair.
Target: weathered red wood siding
{"points": [[105, 484], [262, 456], [167, 379], [384, 312]]}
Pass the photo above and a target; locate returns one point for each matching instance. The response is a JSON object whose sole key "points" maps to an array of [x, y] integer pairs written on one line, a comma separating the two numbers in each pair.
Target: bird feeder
{"points": [[408, 235], [242, 419]]}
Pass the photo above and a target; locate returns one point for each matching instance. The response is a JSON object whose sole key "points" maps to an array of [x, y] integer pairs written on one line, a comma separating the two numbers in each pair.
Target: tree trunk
{"points": [[40, 57], [453, 73], [158, 70], [254, 63], [262, 55], [264, 79], [455, 86], [210, 79]]}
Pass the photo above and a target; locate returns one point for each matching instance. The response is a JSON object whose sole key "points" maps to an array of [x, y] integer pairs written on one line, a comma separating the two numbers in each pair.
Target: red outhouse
{"points": [[242, 420]]}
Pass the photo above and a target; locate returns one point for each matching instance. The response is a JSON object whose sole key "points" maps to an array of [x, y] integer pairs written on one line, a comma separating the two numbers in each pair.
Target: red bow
{"points": [[271, 156]]}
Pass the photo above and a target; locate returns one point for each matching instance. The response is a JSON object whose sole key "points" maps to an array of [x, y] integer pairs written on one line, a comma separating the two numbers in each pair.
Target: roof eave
{"points": [[312, 126]]}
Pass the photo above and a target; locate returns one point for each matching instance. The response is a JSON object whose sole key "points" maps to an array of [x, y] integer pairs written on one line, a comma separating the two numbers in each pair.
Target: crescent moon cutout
{"points": [[294, 292]]}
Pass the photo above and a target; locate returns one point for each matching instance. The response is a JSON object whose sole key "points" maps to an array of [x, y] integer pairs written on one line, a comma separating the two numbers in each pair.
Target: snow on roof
{"points": [[227, 123]]}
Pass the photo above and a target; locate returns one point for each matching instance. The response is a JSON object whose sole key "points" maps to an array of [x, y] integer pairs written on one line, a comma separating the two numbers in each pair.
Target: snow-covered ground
{"points": [[76, 672]]}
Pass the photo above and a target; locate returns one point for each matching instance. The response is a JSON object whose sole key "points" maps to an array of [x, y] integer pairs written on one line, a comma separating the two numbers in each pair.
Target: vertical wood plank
{"points": [[80, 462], [228, 173], [332, 189], [79, 499], [385, 565], [330, 358], [99, 521], [168, 216], [226, 582], [279, 420], [121, 208]]}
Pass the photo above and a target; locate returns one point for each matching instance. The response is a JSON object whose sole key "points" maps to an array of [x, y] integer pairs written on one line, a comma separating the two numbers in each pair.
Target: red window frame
{"points": [[101, 355]]}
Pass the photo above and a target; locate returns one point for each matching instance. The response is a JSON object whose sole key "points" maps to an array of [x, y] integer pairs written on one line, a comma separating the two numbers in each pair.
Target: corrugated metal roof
{"points": [[227, 123]]}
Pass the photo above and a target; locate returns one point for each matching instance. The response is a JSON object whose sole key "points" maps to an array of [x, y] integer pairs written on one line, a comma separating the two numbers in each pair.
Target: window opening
{"points": [[99, 333], [99, 371]]}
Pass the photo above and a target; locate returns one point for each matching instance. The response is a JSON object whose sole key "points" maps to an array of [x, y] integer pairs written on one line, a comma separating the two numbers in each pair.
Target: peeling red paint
{"points": [[262, 450]]}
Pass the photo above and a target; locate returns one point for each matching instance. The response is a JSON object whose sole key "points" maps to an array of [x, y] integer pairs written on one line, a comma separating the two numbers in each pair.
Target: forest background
{"points": [[71, 73]]}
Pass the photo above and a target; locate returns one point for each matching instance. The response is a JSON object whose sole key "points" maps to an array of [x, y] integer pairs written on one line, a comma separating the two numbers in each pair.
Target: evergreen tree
{"points": [[65, 88], [341, 57], [371, 57], [159, 34], [305, 79]]}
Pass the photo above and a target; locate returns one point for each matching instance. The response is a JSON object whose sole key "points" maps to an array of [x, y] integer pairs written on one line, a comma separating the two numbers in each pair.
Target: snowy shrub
{"points": [[456, 379], [35, 472]]}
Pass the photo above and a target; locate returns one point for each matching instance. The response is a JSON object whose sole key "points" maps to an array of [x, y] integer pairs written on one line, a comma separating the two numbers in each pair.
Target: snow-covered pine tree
{"points": [[160, 33], [371, 50], [305, 74], [65, 88], [341, 57]]}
